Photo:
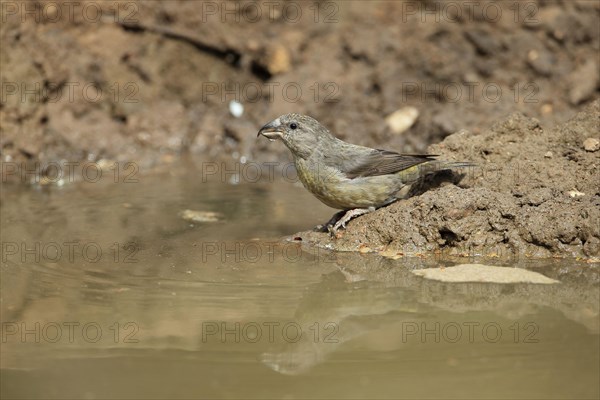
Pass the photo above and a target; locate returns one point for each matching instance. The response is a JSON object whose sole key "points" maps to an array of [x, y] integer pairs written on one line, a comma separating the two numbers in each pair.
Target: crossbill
{"points": [[345, 176]]}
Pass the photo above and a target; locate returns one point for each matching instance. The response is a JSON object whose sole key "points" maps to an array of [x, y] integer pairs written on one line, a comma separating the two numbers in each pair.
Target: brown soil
{"points": [[462, 68]]}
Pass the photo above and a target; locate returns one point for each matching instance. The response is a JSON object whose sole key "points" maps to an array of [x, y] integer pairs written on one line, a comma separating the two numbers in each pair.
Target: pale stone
{"points": [[483, 273]]}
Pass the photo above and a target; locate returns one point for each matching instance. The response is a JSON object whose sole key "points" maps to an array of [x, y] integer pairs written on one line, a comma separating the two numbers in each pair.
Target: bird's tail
{"points": [[422, 170], [434, 166]]}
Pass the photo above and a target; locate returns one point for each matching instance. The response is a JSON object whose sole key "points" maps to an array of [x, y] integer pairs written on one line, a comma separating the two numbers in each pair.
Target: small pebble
{"points": [[576, 193], [236, 108], [548, 154], [200, 216], [547, 109], [591, 144], [393, 254], [402, 119], [533, 55], [278, 60], [363, 248]]}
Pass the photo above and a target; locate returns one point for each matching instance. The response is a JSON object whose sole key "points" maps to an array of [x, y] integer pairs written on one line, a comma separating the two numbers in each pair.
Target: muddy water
{"points": [[108, 292]]}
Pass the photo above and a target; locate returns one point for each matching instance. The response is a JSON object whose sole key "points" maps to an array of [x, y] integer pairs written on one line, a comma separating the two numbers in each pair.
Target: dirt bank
{"points": [[148, 81], [534, 193]]}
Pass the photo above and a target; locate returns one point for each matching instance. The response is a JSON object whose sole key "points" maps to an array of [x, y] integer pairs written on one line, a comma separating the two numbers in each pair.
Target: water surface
{"points": [[108, 292]]}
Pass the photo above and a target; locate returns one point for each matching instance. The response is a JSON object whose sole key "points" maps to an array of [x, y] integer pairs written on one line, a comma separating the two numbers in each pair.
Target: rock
{"points": [[393, 254], [546, 109], [483, 273], [591, 144], [401, 120], [200, 216], [236, 108], [592, 246], [365, 249], [576, 193], [278, 60]]}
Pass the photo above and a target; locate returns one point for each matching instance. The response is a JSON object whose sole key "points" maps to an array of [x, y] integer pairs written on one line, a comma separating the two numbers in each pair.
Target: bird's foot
{"points": [[327, 227], [341, 223]]}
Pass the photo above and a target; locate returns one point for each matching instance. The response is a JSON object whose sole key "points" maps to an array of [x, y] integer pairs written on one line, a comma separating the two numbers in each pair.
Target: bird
{"points": [[352, 178]]}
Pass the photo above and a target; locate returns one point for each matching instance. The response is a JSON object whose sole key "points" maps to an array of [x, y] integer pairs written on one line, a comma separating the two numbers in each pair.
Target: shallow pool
{"points": [[107, 292]]}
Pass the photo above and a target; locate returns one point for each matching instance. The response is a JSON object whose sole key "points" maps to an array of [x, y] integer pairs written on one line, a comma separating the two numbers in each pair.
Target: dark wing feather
{"points": [[383, 162]]}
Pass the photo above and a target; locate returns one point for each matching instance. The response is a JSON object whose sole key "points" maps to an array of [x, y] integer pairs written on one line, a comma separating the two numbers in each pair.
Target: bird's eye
{"points": [[293, 125]]}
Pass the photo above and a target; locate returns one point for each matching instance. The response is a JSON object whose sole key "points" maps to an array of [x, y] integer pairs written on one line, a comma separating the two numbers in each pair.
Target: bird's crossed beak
{"points": [[272, 130]]}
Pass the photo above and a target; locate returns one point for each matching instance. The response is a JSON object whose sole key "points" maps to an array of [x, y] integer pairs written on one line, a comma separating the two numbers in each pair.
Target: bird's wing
{"points": [[380, 162]]}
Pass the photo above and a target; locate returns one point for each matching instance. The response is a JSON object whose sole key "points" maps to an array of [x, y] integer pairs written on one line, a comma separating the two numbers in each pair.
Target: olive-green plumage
{"points": [[346, 176]]}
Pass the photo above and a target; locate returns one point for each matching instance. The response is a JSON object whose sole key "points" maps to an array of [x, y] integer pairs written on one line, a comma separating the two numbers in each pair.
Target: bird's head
{"points": [[300, 133]]}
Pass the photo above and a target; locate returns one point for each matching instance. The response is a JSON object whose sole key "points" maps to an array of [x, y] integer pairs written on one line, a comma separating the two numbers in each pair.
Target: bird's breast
{"points": [[335, 190]]}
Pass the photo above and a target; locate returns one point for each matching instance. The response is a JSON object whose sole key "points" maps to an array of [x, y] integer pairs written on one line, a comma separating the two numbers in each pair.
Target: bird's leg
{"points": [[330, 223], [348, 216]]}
